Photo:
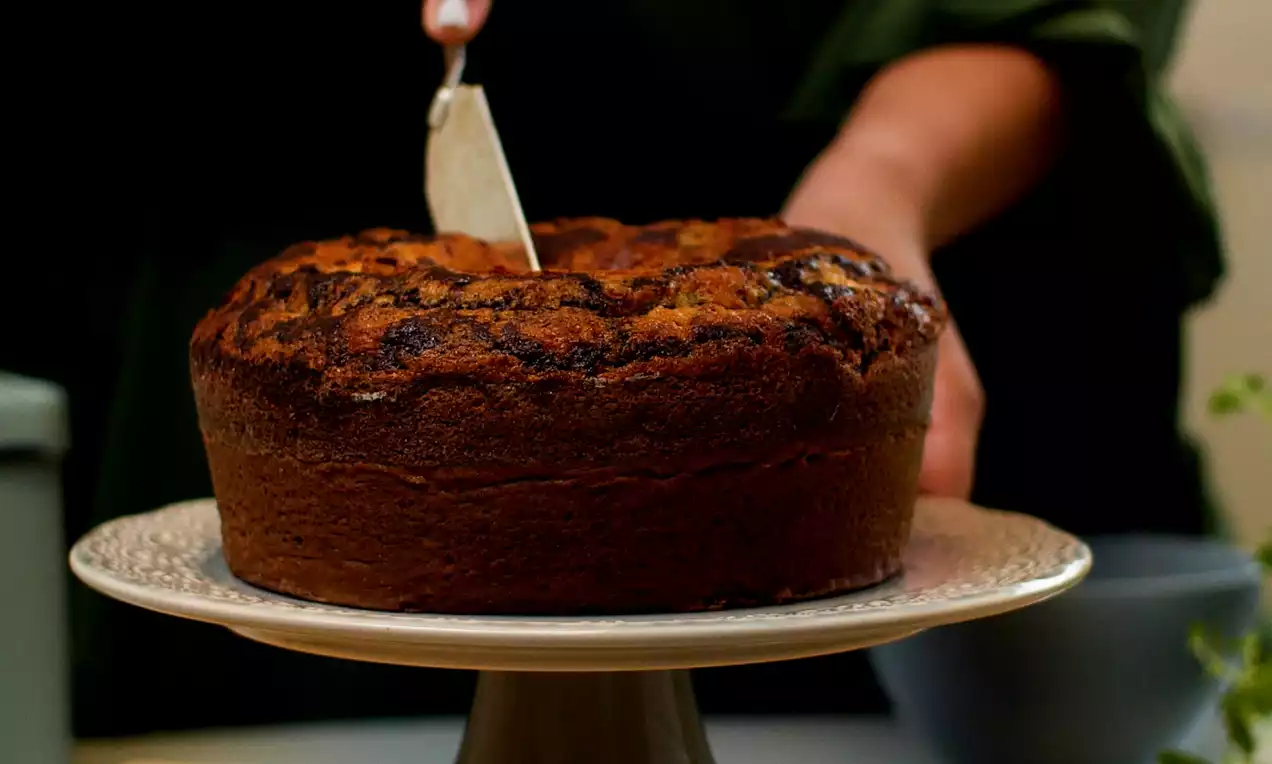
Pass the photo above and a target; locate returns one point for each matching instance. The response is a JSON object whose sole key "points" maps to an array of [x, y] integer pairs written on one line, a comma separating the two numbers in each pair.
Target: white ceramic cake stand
{"points": [[592, 689]]}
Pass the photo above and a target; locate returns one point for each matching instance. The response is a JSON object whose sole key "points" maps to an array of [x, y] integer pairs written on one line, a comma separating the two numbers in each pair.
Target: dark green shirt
{"points": [[310, 123]]}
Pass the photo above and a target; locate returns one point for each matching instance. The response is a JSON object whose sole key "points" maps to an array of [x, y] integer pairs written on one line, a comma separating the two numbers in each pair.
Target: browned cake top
{"points": [[611, 300]]}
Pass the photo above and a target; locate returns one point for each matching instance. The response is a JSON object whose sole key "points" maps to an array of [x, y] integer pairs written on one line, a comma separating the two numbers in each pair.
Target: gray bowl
{"points": [[1100, 675]]}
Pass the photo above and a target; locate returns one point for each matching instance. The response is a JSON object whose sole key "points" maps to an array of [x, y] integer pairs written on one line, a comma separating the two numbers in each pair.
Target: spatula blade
{"points": [[467, 182]]}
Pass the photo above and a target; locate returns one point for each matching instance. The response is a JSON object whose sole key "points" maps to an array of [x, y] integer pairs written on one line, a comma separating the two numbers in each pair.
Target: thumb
{"points": [[948, 461], [949, 451], [452, 22]]}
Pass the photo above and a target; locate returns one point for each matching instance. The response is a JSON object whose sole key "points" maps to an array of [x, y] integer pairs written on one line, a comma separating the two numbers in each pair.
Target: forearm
{"points": [[937, 144]]}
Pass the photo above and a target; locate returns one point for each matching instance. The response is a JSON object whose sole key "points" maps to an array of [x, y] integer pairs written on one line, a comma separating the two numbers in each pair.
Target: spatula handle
{"points": [[455, 56]]}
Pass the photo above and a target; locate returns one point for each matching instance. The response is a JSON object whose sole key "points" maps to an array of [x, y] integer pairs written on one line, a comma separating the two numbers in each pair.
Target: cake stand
{"points": [[592, 689]]}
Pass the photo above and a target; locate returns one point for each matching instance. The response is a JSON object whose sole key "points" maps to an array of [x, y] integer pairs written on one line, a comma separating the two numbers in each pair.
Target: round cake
{"points": [[673, 417]]}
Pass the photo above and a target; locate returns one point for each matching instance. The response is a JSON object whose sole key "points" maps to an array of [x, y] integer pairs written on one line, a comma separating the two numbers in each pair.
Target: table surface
{"points": [[750, 740], [735, 740]]}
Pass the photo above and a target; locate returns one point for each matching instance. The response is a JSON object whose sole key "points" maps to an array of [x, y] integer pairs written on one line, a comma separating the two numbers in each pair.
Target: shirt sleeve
{"points": [[1131, 167], [1125, 133]]}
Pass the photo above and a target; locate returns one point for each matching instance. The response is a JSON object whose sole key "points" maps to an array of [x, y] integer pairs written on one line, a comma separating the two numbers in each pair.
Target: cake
{"points": [[673, 417]]}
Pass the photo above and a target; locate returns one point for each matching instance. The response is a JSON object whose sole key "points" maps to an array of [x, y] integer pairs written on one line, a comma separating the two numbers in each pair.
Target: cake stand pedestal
{"points": [[571, 690], [641, 717]]}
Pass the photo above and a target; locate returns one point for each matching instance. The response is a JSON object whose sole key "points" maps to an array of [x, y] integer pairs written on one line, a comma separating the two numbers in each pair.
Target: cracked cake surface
{"points": [[408, 422]]}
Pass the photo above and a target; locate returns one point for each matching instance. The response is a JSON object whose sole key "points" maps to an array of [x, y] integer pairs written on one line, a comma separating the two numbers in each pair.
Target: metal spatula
{"points": [[466, 178]]}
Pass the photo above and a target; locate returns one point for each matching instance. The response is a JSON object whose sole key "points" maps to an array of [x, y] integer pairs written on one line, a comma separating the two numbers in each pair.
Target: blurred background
{"points": [[1223, 80]]}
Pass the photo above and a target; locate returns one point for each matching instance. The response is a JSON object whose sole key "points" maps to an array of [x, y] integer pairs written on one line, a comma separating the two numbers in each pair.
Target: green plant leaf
{"points": [[1241, 392], [1256, 690], [1264, 555], [1248, 701], [1251, 650], [1224, 402], [1179, 757], [1208, 652], [1236, 720]]}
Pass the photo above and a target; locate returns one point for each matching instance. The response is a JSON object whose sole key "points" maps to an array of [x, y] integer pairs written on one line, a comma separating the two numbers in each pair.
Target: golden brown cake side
{"points": [[712, 414]]}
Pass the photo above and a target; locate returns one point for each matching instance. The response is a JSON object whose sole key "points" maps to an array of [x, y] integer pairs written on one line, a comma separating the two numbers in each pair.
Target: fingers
{"points": [[948, 463], [451, 22], [949, 452]]}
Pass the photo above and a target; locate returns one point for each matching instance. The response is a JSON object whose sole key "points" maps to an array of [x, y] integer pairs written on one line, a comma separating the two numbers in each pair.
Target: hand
{"points": [[949, 451], [938, 143], [958, 405], [452, 22]]}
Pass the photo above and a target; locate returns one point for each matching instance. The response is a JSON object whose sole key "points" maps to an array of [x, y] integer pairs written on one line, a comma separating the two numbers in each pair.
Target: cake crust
{"points": [[404, 422]]}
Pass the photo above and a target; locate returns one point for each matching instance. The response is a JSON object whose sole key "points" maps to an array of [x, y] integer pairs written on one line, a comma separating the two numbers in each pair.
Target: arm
{"points": [[938, 143]]}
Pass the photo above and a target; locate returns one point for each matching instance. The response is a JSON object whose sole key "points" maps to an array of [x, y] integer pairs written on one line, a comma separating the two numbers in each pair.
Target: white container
{"points": [[34, 655]]}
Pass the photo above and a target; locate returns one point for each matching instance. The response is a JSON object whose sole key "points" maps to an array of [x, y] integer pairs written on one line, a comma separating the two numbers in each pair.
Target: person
{"points": [[1021, 156]]}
